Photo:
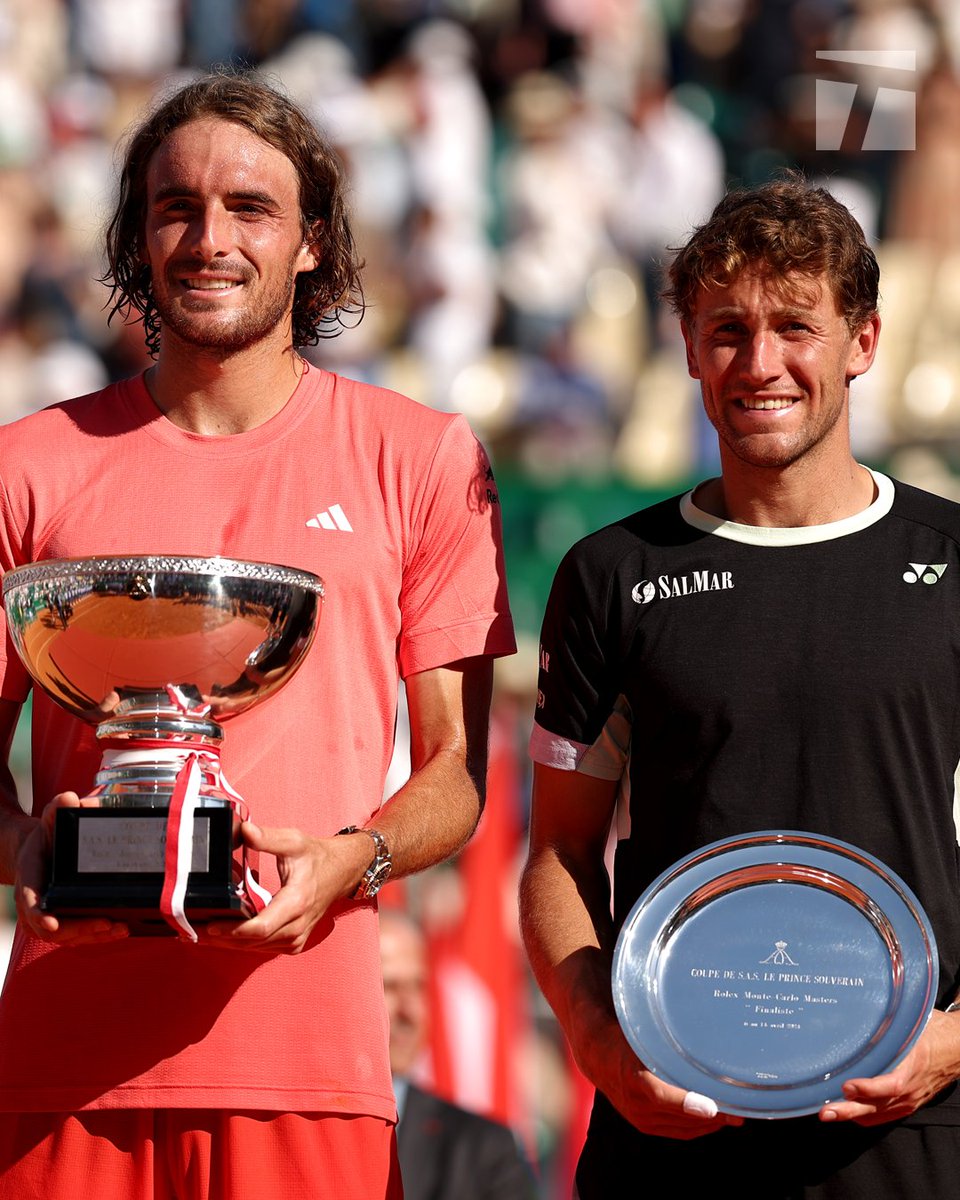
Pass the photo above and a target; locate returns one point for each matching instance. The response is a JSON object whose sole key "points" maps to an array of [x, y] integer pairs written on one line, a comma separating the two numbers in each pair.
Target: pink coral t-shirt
{"points": [[393, 505]]}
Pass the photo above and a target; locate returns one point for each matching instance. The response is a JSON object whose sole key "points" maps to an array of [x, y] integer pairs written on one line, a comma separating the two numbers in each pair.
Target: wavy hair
{"points": [[322, 296], [785, 227]]}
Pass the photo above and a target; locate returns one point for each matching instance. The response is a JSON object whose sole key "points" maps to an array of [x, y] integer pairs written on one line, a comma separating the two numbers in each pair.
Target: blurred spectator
{"points": [[449, 267], [672, 155], [446, 1152], [139, 39], [451, 294], [212, 32], [925, 200], [557, 180]]}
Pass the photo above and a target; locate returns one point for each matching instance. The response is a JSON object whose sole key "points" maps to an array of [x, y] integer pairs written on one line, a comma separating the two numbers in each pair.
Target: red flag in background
{"points": [[581, 1105], [480, 1020]]}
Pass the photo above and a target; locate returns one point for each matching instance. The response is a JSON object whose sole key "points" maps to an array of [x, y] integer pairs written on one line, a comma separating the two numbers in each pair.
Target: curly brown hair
{"points": [[785, 227], [322, 296]]}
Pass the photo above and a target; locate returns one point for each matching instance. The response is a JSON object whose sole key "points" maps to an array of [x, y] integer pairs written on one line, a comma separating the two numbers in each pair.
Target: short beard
{"points": [[238, 332]]}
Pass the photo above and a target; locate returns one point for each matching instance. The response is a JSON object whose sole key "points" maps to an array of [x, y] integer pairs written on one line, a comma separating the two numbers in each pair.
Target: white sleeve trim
{"points": [[605, 759], [551, 750]]}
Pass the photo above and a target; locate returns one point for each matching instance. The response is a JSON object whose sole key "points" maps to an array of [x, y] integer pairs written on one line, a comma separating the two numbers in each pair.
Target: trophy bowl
{"points": [[156, 651]]}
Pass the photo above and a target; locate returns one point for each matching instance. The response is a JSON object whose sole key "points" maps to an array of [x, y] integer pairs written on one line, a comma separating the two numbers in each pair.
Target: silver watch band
{"points": [[377, 874]]}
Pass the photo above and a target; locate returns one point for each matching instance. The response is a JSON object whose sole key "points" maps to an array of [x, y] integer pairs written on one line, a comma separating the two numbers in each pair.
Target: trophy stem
{"points": [[142, 772]]}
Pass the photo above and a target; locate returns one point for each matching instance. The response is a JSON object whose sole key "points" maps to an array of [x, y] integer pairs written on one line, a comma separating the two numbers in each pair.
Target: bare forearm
{"points": [[568, 931], [568, 935], [565, 902], [433, 815]]}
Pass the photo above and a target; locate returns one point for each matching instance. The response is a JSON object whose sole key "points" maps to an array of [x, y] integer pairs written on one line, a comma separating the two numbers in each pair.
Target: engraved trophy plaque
{"points": [[766, 970], [156, 651]]}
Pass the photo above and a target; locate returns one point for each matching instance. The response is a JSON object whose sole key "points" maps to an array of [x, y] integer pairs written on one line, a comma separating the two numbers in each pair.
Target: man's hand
{"points": [[932, 1064], [647, 1102], [33, 866], [314, 872]]}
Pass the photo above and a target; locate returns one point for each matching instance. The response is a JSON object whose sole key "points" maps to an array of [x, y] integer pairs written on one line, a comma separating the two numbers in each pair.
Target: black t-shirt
{"points": [[737, 678]]}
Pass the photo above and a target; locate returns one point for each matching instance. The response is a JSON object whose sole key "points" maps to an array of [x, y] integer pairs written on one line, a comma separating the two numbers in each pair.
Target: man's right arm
{"points": [[25, 846], [15, 825], [569, 935]]}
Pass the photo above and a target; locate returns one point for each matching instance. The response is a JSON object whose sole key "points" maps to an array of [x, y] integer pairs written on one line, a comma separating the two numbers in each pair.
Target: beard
{"points": [[202, 324], [779, 451]]}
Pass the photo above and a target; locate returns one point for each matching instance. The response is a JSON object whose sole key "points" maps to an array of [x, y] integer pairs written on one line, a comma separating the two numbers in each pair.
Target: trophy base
{"points": [[108, 862]]}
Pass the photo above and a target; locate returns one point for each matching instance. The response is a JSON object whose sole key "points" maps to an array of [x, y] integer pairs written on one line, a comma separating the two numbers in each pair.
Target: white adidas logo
{"points": [[332, 518]]}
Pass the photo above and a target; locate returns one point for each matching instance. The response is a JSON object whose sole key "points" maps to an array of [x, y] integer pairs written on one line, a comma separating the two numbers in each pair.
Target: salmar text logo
{"points": [[870, 103], [671, 586]]}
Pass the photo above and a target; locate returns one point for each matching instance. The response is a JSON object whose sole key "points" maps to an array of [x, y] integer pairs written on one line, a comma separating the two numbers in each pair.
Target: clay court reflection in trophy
{"points": [[156, 651]]}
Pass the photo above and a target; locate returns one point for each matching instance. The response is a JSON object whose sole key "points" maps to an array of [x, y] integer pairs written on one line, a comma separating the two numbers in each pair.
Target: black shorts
{"points": [[801, 1159]]}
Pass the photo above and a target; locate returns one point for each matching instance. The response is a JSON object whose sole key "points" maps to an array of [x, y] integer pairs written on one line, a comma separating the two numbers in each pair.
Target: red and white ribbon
{"points": [[180, 700], [195, 763], [178, 854]]}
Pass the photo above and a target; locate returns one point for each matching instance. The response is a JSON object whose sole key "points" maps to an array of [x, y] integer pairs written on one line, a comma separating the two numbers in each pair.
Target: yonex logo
{"points": [[332, 518], [928, 572]]}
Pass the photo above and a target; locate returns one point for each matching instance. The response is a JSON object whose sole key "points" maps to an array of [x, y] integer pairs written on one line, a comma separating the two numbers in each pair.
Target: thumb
{"points": [[61, 800], [278, 842]]}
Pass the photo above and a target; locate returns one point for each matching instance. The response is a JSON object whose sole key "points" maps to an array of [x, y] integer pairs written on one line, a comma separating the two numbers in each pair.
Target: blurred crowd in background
{"points": [[519, 170]]}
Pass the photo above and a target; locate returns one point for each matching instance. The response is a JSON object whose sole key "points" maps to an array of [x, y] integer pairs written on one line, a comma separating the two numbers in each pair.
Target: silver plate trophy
{"points": [[765, 970], [156, 651]]}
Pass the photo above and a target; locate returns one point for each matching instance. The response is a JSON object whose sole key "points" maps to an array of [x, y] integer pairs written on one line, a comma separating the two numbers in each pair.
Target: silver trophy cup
{"points": [[156, 651]]}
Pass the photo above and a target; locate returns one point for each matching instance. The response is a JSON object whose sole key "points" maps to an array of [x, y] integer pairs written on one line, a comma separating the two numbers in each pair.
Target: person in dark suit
{"points": [[446, 1152]]}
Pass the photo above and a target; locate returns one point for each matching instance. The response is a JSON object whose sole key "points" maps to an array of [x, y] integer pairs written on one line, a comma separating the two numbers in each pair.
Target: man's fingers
{"points": [[32, 868], [844, 1110], [74, 932], [880, 1087], [274, 928], [863, 1114], [89, 930], [683, 1114], [868, 1101]]}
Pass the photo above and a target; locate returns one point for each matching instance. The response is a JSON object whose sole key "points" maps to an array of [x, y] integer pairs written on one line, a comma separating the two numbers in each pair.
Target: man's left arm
{"points": [[428, 820], [932, 1064]]}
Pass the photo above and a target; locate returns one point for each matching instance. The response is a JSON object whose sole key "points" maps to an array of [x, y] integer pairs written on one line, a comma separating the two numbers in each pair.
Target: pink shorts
{"points": [[196, 1154]]}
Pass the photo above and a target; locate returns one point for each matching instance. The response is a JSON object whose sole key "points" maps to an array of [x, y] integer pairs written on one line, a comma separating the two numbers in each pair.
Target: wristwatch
{"points": [[377, 874]]}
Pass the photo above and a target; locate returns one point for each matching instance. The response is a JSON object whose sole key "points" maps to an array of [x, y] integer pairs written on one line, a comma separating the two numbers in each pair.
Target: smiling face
{"points": [[224, 237], [774, 359]]}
